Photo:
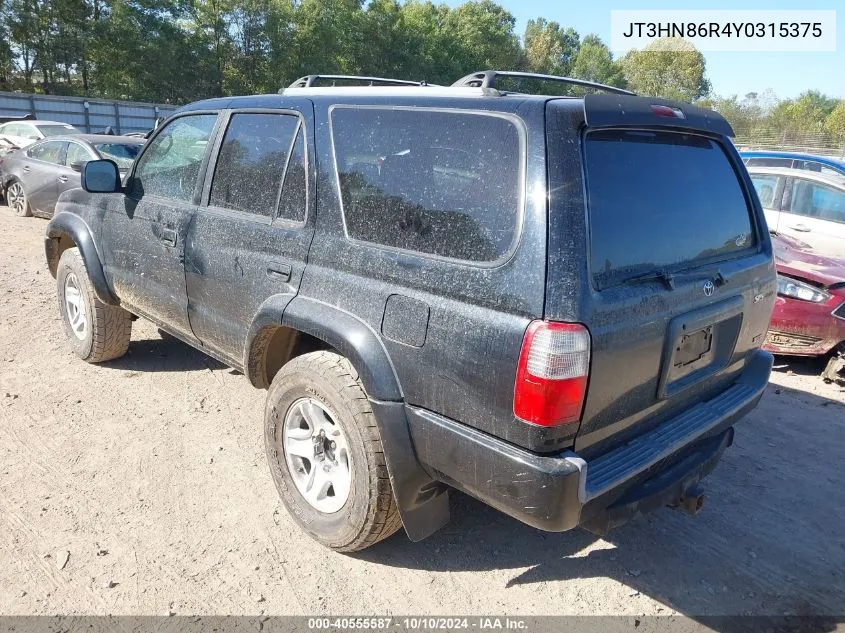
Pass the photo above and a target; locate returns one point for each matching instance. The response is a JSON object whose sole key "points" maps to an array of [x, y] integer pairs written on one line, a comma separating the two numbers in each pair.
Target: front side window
{"points": [[49, 151], [439, 183], [766, 187], [815, 200], [170, 166], [251, 162], [77, 155]]}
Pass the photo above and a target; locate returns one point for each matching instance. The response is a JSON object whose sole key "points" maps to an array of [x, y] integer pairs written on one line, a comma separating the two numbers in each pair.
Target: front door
{"points": [[250, 236], [146, 228]]}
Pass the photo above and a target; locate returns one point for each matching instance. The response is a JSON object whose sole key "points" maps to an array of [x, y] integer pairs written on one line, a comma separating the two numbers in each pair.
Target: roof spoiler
{"points": [[615, 110]]}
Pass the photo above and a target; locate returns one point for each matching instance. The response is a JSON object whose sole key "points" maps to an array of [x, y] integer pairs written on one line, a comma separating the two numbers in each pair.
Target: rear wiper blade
{"points": [[656, 275]]}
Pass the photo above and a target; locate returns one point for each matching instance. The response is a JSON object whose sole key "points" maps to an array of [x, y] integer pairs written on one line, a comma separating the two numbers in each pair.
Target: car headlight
{"points": [[794, 289]]}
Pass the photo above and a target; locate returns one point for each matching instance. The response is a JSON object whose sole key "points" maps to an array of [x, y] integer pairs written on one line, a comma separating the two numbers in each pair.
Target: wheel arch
{"points": [[293, 324], [67, 230]]}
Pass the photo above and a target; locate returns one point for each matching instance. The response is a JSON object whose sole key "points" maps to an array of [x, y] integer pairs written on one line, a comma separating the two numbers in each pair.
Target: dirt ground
{"points": [[140, 487]]}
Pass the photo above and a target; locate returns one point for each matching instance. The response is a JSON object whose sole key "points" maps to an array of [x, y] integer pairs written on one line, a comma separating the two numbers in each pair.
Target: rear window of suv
{"points": [[661, 201], [442, 183]]}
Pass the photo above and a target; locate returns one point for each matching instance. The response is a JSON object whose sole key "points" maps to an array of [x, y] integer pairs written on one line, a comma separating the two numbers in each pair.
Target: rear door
{"points": [[41, 172], [679, 278], [814, 212], [250, 237]]}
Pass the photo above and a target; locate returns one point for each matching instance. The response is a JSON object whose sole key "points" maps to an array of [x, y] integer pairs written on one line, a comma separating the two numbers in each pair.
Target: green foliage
{"points": [[667, 68], [179, 51], [595, 62]]}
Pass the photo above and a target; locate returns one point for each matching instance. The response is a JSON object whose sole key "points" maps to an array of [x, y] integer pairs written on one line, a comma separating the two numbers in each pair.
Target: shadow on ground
{"points": [[768, 541], [165, 354]]}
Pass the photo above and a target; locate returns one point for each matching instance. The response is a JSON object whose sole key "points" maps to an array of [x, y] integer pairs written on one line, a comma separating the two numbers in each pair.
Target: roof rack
{"points": [[309, 81], [487, 78]]}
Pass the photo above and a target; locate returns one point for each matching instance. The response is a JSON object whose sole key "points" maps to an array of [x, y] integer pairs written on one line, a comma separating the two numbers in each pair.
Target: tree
{"points": [[594, 62], [549, 48], [835, 122], [671, 68], [481, 36]]}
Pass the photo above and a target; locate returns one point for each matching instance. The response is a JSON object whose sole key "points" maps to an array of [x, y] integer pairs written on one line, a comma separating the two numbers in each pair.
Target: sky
{"points": [[731, 73]]}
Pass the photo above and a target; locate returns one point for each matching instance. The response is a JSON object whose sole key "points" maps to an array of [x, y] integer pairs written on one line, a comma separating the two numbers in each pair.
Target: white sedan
{"points": [[23, 133]]}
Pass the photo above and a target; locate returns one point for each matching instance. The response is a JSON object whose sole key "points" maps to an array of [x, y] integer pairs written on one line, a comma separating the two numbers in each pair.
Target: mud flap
{"points": [[423, 502]]}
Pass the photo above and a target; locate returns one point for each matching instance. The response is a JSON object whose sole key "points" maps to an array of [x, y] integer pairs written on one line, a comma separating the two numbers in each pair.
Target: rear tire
{"points": [[321, 390], [17, 200], [97, 331]]}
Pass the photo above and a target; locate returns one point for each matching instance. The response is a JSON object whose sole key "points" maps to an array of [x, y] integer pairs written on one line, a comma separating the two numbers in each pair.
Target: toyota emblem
{"points": [[708, 288]]}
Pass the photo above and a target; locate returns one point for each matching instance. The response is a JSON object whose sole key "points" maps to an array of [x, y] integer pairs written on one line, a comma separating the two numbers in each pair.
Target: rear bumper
{"points": [[562, 491]]}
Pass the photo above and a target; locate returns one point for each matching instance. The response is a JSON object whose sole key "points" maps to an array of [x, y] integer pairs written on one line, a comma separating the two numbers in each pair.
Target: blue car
{"points": [[794, 160]]}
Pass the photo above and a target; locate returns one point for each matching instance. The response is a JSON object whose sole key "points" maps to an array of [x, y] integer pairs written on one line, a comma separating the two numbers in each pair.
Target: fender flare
{"points": [[74, 226], [353, 338], [423, 502]]}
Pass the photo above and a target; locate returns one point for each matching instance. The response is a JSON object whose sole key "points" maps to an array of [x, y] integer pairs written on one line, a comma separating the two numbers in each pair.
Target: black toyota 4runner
{"points": [[554, 304]]}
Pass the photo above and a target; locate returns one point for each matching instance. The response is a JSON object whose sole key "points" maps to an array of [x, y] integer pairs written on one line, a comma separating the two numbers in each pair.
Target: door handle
{"points": [[801, 228], [26, 168], [62, 179], [278, 270]]}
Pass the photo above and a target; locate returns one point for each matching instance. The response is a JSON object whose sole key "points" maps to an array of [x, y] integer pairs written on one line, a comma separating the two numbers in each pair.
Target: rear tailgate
{"points": [[676, 283]]}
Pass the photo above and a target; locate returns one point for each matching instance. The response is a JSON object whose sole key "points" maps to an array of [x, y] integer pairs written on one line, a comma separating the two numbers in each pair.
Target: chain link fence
{"points": [[790, 141]]}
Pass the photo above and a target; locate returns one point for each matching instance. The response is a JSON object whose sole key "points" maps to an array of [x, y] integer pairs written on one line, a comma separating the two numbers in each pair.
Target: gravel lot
{"points": [[140, 487]]}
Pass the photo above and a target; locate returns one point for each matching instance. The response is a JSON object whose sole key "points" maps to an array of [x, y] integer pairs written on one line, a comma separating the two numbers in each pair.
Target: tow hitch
{"points": [[692, 501]]}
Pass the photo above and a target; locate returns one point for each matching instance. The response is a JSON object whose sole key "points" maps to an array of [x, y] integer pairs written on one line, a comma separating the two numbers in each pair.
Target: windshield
{"points": [[120, 153], [659, 200], [57, 130]]}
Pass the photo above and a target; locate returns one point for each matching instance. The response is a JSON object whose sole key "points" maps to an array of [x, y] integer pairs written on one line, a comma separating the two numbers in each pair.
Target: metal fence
{"points": [[88, 115], [808, 143]]}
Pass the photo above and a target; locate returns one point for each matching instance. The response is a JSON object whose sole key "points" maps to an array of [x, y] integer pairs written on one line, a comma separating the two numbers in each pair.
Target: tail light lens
{"points": [[551, 379]]}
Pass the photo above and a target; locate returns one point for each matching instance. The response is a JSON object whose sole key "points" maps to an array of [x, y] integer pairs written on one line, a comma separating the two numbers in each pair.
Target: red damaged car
{"points": [[809, 314]]}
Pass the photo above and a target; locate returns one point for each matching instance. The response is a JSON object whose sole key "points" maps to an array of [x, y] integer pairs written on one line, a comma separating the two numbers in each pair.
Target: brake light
{"points": [[551, 378], [668, 111]]}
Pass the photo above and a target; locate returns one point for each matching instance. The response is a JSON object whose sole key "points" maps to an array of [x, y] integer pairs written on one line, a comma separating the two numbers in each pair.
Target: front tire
{"points": [[17, 200], [97, 331], [325, 453]]}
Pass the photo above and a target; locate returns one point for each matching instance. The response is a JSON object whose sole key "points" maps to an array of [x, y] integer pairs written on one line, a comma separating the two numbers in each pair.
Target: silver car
{"points": [[33, 178]]}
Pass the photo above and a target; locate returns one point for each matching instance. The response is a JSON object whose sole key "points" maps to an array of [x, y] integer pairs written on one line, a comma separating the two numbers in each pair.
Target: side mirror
{"points": [[77, 166], [101, 176]]}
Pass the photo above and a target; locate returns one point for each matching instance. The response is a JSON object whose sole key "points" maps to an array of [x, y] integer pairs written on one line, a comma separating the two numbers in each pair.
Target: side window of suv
{"points": [[170, 166], [441, 183], [251, 162], [815, 200]]}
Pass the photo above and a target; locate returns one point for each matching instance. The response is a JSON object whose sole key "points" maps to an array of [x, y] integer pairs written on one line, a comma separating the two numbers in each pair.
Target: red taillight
{"points": [[551, 379]]}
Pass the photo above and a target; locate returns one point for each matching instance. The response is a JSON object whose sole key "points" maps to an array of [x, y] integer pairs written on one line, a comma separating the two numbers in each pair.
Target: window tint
{"points": [[170, 166], [440, 183], [766, 187], [292, 204], [50, 151], [769, 162], [251, 162], [660, 200], [815, 200], [77, 154]]}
